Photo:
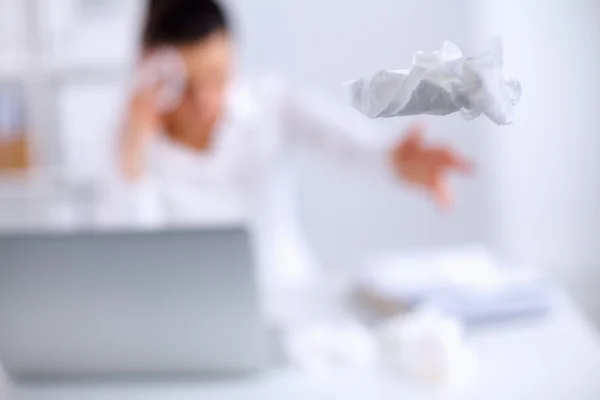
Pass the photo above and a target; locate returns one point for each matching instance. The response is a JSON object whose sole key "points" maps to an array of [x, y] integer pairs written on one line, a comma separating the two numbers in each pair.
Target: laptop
{"points": [[129, 303]]}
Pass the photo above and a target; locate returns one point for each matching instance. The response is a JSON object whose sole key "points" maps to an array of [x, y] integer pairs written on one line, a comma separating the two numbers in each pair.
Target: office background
{"points": [[536, 195]]}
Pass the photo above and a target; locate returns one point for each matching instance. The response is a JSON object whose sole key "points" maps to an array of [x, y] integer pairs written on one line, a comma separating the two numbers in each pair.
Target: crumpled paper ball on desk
{"points": [[428, 347], [423, 346]]}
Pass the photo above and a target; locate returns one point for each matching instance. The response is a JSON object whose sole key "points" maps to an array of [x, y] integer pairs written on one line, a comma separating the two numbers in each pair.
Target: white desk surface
{"points": [[554, 358]]}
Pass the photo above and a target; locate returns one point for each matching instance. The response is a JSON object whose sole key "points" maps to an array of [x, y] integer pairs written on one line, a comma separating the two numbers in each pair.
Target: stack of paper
{"points": [[467, 282]]}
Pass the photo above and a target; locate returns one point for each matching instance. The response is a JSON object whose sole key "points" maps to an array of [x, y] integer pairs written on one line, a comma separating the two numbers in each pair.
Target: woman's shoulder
{"points": [[258, 93]]}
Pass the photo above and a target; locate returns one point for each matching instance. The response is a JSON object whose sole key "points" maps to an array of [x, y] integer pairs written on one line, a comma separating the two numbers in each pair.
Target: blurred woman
{"points": [[202, 146]]}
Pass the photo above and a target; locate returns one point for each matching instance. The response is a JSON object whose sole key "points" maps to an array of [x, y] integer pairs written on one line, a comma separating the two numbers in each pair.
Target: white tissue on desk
{"points": [[321, 350], [428, 347], [424, 346], [441, 83]]}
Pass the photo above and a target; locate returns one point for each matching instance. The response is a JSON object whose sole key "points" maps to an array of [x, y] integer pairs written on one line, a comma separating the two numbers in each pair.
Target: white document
{"points": [[467, 283]]}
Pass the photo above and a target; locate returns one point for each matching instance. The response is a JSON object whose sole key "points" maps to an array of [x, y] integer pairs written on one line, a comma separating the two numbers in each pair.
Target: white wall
{"points": [[348, 216], [544, 170]]}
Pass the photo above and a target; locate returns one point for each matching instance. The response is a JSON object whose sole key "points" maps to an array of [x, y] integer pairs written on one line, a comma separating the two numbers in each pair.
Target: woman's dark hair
{"points": [[180, 22]]}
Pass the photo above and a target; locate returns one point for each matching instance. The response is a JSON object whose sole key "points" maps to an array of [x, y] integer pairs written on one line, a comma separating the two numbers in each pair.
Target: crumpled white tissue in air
{"points": [[428, 347], [441, 83]]}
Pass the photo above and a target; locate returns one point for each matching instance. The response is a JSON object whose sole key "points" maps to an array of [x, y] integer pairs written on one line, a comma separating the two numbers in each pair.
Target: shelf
{"points": [[17, 184], [65, 70], [22, 69], [14, 177], [34, 177], [93, 53], [14, 68], [87, 73]]}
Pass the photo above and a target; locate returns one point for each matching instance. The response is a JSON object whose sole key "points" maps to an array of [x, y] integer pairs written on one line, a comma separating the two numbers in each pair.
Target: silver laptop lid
{"points": [[129, 302]]}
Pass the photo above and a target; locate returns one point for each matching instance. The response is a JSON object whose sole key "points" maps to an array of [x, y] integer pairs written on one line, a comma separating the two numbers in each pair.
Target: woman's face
{"points": [[209, 64]]}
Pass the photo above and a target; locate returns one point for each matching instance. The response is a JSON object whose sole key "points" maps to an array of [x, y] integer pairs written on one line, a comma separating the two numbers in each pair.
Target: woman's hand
{"points": [[160, 83], [427, 166], [142, 121]]}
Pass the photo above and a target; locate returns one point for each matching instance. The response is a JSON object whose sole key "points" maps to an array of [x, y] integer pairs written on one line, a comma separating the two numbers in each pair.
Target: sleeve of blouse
{"points": [[310, 120]]}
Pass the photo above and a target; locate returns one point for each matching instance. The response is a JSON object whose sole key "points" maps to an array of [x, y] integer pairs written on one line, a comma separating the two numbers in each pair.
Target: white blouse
{"points": [[248, 175]]}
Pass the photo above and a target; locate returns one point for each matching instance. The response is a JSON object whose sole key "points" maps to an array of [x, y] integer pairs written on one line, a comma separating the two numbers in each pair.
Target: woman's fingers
{"points": [[447, 159], [443, 160], [459, 163], [163, 73], [428, 166], [442, 192], [159, 87]]}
